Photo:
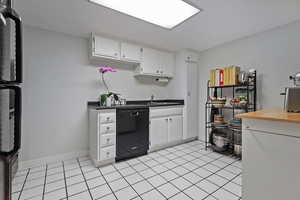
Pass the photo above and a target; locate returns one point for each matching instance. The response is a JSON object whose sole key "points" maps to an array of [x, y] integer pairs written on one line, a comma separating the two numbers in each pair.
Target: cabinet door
{"points": [[271, 163], [105, 47], [150, 62], [158, 131], [192, 101], [168, 64], [175, 132], [130, 53]]}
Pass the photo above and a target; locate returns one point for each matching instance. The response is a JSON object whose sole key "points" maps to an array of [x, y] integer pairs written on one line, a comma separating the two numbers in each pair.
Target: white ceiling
{"points": [[220, 22]]}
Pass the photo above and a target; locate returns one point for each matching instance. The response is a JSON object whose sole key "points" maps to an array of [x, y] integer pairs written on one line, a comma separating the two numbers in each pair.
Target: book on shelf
{"points": [[224, 77]]}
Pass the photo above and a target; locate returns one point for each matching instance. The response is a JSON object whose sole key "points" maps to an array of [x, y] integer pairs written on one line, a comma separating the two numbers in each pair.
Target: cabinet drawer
{"points": [[107, 153], [107, 140], [166, 111], [107, 128], [107, 118]]}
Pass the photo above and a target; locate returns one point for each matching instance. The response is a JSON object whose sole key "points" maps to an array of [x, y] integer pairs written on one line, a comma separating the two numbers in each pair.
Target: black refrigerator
{"points": [[10, 95]]}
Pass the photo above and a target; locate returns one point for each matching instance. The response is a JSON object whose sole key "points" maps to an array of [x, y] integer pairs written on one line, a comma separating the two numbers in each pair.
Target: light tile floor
{"points": [[183, 172]]}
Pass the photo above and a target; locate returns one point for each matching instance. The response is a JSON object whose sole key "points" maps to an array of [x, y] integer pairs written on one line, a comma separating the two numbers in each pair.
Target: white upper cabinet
{"points": [[107, 48], [131, 52], [150, 63], [157, 63], [168, 64]]}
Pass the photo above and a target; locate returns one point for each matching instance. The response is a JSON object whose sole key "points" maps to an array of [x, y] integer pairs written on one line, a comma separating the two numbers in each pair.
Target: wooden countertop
{"points": [[272, 115]]}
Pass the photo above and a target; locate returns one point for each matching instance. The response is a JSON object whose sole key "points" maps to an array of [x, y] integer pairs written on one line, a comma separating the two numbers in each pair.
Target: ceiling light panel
{"points": [[165, 13]]}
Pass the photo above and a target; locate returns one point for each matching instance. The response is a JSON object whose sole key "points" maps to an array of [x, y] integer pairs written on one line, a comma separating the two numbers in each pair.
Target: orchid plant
{"points": [[104, 97]]}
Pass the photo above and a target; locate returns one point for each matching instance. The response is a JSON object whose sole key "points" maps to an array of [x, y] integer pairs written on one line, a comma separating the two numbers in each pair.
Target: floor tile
{"points": [[54, 186], [234, 188], [81, 196], [180, 196], [127, 171], [74, 179], [147, 173], [107, 169], [100, 191], [118, 184], [157, 180], [159, 169], [181, 183], [153, 195], [182, 172], [217, 180], [195, 193], [224, 195], [142, 187], [95, 182], [126, 194], [192, 177], [76, 188], [112, 176], [108, 197], [55, 195], [169, 175], [168, 190], [207, 186], [134, 178]]}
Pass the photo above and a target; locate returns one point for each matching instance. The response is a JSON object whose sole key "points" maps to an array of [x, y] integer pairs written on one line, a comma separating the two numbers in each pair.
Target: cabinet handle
{"points": [[107, 128], [108, 118], [107, 140], [116, 54], [124, 56], [170, 119], [247, 127], [107, 153], [161, 72], [167, 119], [157, 71]]}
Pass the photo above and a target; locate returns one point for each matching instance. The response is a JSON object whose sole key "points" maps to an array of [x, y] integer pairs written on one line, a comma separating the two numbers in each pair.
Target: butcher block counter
{"points": [[271, 155], [273, 115]]}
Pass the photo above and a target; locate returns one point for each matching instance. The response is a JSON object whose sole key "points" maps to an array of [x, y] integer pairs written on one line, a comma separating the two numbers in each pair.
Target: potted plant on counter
{"points": [[105, 99]]}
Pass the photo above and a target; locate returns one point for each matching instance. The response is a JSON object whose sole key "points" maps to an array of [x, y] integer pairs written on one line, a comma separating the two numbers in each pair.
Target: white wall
{"points": [[275, 54], [58, 82]]}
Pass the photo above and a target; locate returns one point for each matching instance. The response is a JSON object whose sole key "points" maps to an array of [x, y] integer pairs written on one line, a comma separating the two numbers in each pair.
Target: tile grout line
{"points": [[24, 184], [65, 180], [45, 179], [127, 183], [191, 152], [106, 183], [84, 178], [210, 162]]}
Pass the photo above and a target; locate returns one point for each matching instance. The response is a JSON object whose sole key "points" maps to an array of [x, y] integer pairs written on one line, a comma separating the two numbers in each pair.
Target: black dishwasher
{"points": [[132, 132]]}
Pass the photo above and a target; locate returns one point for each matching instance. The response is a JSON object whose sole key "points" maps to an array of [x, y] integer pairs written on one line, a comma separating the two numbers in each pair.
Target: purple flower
{"points": [[107, 69]]}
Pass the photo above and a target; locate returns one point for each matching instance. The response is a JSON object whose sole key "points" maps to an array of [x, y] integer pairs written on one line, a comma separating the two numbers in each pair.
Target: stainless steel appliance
{"points": [[292, 95], [10, 95], [292, 99], [132, 132], [296, 79]]}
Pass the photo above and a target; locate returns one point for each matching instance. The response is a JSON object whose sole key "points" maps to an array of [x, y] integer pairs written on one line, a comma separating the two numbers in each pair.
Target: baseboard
{"points": [[50, 159]]}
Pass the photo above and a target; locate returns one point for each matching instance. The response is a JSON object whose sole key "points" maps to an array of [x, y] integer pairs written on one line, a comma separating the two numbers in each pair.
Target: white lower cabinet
{"points": [[102, 136], [158, 131], [270, 160], [166, 127], [175, 130]]}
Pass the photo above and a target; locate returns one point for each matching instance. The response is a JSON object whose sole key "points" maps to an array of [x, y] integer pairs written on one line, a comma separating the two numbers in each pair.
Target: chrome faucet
{"points": [[152, 97]]}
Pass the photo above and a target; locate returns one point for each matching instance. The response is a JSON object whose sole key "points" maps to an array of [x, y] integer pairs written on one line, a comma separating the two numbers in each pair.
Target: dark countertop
{"points": [[138, 104]]}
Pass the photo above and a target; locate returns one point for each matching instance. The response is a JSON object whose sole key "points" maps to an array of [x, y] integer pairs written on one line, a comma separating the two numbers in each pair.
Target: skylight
{"points": [[164, 13]]}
